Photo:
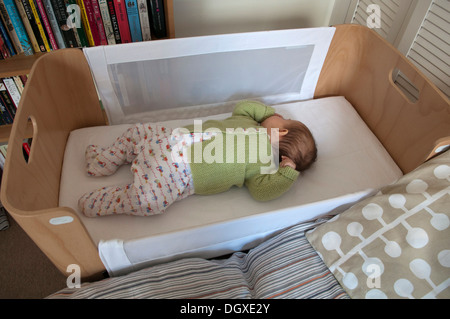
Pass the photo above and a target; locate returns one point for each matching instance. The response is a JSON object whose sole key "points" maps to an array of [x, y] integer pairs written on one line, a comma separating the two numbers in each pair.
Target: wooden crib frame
{"points": [[60, 96]]}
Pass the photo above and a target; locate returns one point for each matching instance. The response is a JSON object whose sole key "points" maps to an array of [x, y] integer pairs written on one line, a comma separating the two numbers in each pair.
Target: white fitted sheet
{"points": [[351, 164]]}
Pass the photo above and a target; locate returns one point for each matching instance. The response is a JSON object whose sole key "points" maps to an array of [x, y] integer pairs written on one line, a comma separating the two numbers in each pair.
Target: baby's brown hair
{"points": [[299, 145]]}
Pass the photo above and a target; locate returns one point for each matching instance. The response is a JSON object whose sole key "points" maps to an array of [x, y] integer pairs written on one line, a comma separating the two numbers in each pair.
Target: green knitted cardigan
{"points": [[222, 173]]}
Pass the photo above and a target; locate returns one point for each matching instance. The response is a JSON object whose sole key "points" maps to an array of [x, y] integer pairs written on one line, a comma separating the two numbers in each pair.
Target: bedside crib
{"points": [[61, 97]]}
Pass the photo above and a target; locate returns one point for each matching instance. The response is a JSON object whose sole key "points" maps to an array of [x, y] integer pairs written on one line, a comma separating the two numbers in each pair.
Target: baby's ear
{"points": [[283, 132]]}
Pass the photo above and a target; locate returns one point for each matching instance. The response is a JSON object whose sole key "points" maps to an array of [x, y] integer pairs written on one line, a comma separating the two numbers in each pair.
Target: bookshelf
{"points": [[22, 64]]}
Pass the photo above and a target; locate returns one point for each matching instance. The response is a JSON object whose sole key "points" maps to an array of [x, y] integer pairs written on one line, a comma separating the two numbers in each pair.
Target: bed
{"points": [[210, 226], [353, 97], [360, 253]]}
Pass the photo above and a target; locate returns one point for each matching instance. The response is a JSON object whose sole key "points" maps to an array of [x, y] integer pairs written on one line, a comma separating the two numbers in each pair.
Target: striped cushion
{"points": [[285, 266], [4, 224]]}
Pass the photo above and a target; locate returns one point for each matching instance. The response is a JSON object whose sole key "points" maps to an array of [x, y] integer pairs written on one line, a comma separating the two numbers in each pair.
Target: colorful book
{"points": [[8, 103], [20, 86], [37, 17], [10, 28], [89, 25], [114, 22], [4, 112], [99, 21], [4, 51], [24, 79], [2, 121], [107, 23], [4, 149], [54, 24], [34, 27], [27, 26], [61, 15], [17, 23], [6, 39], [122, 21], [144, 19], [73, 18], [133, 20], [157, 18], [2, 161], [13, 91], [80, 34], [46, 23]]}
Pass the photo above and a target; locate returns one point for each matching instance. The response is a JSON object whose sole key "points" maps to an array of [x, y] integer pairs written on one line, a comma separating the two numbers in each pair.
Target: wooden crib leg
{"points": [[60, 234]]}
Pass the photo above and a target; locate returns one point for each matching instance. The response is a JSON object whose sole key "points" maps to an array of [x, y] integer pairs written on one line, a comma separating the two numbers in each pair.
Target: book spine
{"points": [[47, 25], [3, 47], [54, 24], [6, 115], [27, 25], [114, 22], [133, 20], [4, 150], [34, 27], [157, 18], [122, 20], [37, 18], [10, 28], [13, 91], [6, 39], [18, 26], [99, 22], [61, 15], [19, 83], [24, 79], [9, 105], [2, 121], [88, 22], [80, 33], [107, 24], [2, 162], [144, 19], [74, 16]]}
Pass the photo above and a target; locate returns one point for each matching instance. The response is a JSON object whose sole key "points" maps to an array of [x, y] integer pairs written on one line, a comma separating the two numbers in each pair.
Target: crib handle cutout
{"points": [[402, 83], [29, 135]]}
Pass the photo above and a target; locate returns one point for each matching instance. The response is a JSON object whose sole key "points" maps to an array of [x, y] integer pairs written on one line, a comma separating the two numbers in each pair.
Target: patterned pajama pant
{"points": [[158, 180]]}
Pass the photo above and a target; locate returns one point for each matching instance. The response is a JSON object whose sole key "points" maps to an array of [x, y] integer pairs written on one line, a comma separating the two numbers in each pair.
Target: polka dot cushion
{"points": [[397, 243]]}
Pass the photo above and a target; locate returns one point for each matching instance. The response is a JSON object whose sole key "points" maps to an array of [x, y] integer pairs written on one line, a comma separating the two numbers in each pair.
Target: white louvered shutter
{"points": [[392, 15], [431, 46], [429, 50]]}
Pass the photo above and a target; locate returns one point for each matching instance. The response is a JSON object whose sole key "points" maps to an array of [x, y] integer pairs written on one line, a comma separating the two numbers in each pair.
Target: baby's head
{"points": [[295, 140]]}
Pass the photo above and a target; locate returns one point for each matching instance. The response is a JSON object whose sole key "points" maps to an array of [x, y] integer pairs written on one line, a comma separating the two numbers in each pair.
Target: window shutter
{"points": [[391, 16], [431, 46]]}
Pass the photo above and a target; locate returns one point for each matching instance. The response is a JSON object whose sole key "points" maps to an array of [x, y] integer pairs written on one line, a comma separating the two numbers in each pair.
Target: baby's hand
{"points": [[286, 161]]}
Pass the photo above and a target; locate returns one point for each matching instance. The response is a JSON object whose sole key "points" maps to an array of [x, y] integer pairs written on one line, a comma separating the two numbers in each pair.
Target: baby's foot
{"points": [[96, 163], [87, 204], [91, 151]]}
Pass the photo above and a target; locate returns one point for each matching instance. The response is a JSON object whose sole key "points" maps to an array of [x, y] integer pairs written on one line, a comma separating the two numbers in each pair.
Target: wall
{"points": [[205, 17]]}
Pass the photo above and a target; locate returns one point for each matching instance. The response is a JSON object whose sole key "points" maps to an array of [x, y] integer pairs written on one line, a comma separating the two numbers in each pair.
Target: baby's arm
{"points": [[256, 110], [265, 187]]}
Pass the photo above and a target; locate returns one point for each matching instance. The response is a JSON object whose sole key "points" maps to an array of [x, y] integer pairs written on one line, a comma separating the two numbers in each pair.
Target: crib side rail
{"points": [[59, 97], [360, 66]]}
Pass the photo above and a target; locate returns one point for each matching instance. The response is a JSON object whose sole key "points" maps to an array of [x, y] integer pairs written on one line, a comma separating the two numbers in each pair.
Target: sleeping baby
{"points": [[254, 147]]}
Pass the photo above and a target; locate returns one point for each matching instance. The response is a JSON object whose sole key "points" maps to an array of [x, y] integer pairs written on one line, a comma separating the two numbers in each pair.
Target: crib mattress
{"points": [[351, 164]]}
